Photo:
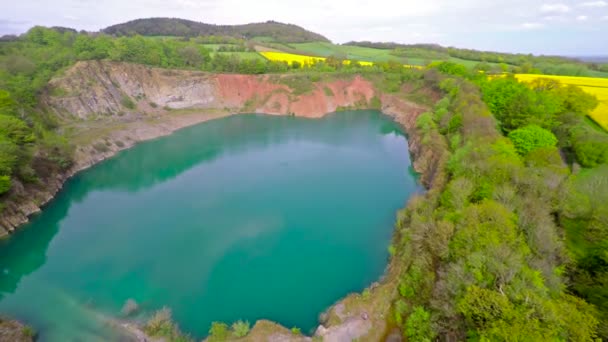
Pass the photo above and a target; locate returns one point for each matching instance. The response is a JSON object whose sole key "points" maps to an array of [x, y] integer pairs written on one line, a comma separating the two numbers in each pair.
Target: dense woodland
{"points": [[510, 242], [279, 32]]}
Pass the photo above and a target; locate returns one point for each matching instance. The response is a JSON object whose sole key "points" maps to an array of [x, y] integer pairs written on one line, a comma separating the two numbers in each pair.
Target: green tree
{"points": [[531, 137], [219, 331], [240, 328], [418, 326]]}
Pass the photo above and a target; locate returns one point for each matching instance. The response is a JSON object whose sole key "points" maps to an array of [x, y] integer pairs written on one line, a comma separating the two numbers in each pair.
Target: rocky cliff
{"points": [[98, 88]]}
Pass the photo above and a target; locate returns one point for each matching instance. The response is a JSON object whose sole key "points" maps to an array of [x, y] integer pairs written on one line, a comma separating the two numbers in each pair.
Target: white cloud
{"points": [[531, 26], [582, 18], [594, 4], [554, 18], [605, 18], [555, 8]]}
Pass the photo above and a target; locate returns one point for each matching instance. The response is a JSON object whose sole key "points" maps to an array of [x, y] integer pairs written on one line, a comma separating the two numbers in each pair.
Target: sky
{"points": [[568, 27]]}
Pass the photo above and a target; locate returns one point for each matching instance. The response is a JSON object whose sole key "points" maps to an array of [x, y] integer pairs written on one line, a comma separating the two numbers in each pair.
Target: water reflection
{"points": [[122, 228]]}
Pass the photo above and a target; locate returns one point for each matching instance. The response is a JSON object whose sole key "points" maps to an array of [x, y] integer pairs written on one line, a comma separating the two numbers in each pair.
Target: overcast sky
{"points": [[567, 27]]}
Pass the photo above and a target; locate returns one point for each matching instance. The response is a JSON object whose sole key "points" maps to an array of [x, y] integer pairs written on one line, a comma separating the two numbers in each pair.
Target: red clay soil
{"points": [[272, 98]]}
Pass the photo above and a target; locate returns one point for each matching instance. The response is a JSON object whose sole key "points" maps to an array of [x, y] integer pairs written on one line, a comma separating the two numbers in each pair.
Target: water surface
{"points": [[245, 217]]}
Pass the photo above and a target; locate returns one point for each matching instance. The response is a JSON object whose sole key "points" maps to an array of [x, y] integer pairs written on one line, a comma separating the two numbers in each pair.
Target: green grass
{"points": [[350, 52], [600, 74], [365, 54], [244, 55], [214, 47]]}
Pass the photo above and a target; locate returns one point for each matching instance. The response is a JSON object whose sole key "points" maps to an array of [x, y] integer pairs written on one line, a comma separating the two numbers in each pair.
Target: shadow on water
{"points": [[151, 164]]}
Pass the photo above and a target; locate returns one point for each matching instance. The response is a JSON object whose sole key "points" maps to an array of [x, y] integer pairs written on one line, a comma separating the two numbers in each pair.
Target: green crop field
{"points": [[214, 47], [243, 55]]}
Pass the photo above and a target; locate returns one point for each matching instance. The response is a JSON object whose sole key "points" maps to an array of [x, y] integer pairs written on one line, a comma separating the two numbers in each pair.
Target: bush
{"points": [[418, 326], [240, 328], [375, 103], [218, 331], [296, 331], [531, 137], [161, 325], [5, 184], [101, 147], [127, 102]]}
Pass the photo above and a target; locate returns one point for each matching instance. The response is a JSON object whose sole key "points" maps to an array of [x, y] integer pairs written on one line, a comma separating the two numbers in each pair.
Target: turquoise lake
{"points": [[245, 217]]}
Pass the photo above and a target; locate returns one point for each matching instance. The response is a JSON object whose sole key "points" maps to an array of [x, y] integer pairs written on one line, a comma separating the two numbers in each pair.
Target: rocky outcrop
{"points": [[14, 331]]}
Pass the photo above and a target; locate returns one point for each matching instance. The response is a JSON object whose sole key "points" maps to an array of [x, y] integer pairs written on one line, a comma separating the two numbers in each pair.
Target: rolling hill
{"points": [[279, 32]]}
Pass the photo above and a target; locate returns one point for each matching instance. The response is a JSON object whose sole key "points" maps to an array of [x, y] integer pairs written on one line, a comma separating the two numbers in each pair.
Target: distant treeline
{"points": [[526, 63], [279, 32]]}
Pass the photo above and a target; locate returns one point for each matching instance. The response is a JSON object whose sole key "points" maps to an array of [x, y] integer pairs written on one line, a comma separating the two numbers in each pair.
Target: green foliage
{"points": [[161, 325], [366, 294], [584, 214], [219, 331], [581, 141], [450, 68], [328, 92], [240, 328], [531, 137], [425, 122], [279, 32], [127, 102], [296, 331], [488, 241], [15, 130], [9, 153], [418, 326], [5, 184], [516, 105]]}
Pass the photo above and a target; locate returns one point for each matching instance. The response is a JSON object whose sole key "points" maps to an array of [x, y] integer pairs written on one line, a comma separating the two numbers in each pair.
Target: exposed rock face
{"points": [[98, 88]]}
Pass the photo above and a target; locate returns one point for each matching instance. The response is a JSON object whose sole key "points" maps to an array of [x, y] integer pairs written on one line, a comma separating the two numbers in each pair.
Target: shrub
{"points": [[127, 102], [240, 328], [367, 294], [218, 331], [161, 325], [5, 184], [418, 326], [375, 103], [101, 147], [296, 331], [531, 137], [392, 250]]}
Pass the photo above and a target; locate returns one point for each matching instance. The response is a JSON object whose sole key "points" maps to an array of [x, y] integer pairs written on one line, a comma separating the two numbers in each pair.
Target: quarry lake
{"points": [[245, 217]]}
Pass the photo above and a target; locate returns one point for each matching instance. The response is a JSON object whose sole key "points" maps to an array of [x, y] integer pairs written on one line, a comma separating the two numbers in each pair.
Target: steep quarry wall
{"points": [[98, 88]]}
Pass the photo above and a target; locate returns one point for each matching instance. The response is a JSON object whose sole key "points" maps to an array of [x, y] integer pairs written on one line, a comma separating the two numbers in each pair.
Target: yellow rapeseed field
{"points": [[303, 60], [290, 57], [595, 86]]}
